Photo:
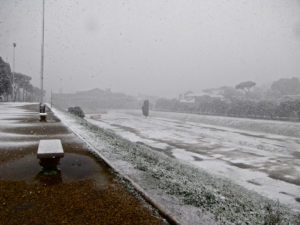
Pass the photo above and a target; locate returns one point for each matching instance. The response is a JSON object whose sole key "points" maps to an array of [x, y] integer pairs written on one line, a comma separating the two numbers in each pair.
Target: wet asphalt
{"points": [[84, 191]]}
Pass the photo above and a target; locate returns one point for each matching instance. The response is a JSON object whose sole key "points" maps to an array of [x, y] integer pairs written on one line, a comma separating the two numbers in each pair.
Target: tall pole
{"points": [[42, 54], [13, 73]]}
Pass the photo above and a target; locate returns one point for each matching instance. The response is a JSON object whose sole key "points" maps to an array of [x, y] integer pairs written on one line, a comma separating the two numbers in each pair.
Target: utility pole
{"points": [[42, 54], [13, 73]]}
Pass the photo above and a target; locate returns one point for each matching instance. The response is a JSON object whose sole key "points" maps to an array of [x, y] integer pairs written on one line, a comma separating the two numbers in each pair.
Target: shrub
{"points": [[77, 111]]}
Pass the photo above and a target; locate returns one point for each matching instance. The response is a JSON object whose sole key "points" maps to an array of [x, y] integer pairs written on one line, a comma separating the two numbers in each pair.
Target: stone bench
{"points": [[49, 152], [43, 116]]}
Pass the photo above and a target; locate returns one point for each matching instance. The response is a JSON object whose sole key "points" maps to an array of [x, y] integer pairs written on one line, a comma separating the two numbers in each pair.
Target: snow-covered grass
{"points": [[264, 162], [155, 172], [257, 125]]}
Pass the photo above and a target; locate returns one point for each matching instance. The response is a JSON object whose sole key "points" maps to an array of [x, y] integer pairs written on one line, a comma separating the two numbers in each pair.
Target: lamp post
{"points": [[13, 73], [43, 113], [42, 54]]}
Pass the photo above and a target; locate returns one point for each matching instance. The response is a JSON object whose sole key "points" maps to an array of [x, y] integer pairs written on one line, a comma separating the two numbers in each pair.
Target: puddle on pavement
{"points": [[83, 192], [73, 166]]}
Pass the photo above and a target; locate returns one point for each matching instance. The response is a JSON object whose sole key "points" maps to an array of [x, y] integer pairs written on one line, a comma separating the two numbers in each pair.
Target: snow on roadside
{"points": [[265, 163], [192, 195], [285, 128]]}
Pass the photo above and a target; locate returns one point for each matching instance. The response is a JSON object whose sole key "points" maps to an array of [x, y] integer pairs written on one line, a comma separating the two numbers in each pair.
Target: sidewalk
{"points": [[85, 192]]}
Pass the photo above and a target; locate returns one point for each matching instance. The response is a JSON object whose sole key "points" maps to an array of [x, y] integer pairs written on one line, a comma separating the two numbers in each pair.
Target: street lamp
{"points": [[42, 54], [13, 73], [43, 113]]}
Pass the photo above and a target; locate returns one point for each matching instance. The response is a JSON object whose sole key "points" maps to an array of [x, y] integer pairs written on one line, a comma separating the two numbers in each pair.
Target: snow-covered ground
{"points": [[185, 191], [169, 172], [263, 156]]}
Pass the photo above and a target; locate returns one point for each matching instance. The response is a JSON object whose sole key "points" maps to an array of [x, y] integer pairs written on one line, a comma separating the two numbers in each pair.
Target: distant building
{"points": [[190, 97]]}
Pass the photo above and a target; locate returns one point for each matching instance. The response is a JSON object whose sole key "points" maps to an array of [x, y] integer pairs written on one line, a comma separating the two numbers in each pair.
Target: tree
{"points": [[247, 85], [5, 78], [266, 109], [21, 81], [24, 90], [29, 92], [229, 93], [290, 109], [286, 86]]}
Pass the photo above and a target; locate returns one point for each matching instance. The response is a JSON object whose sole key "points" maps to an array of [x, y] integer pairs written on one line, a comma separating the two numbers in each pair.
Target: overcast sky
{"points": [[155, 47]]}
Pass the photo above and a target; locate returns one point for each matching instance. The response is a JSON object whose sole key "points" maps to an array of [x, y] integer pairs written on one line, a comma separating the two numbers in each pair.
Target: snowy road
{"points": [[268, 163]]}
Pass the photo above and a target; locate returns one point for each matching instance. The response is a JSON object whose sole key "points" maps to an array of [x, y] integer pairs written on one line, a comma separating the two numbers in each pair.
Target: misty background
{"points": [[160, 48]]}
